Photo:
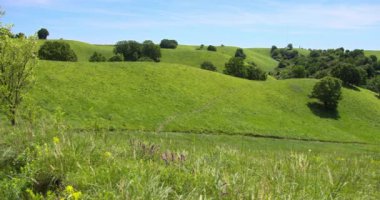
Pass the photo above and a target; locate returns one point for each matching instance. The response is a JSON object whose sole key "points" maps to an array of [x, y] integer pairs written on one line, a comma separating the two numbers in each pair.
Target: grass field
{"points": [[169, 130], [142, 165], [171, 97]]}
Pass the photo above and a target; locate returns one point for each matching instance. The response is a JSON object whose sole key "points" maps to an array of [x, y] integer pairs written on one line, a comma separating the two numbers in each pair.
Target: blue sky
{"points": [[246, 23]]}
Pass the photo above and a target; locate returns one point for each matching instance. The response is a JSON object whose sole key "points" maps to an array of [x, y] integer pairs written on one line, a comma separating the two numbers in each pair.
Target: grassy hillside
{"points": [[171, 97], [184, 54]]}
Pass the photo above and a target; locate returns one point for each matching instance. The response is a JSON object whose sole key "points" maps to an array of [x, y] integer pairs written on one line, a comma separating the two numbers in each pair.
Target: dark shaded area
{"points": [[351, 87], [319, 110]]}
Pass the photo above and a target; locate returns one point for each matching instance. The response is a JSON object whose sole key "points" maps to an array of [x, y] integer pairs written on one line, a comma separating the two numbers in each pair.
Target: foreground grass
{"points": [[60, 163], [170, 97]]}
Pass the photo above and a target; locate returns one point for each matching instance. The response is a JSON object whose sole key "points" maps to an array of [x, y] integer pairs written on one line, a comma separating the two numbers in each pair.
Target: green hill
{"points": [[184, 54], [172, 97]]}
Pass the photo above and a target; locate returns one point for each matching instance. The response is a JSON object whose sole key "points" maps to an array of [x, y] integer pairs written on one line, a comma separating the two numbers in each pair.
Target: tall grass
{"points": [[51, 161]]}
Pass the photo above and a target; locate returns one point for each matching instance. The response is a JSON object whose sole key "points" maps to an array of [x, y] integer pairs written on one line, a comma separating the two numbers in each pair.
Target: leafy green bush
{"points": [[349, 74], [151, 50], [328, 91], [207, 65], [255, 73], [240, 53], [374, 84], [43, 33], [131, 50], [97, 57], [116, 58], [168, 44], [57, 50], [211, 48]]}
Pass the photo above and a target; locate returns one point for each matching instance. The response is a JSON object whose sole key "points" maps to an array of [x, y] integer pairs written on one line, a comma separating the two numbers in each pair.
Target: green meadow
{"points": [[170, 130]]}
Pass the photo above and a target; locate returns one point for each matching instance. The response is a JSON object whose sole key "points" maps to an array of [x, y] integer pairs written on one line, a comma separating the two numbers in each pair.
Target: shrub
{"points": [[374, 84], [116, 58], [207, 65], [235, 67], [20, 35], [57, 50], [240, 53], [145, 59], [297, 72], [131, 50], [328, 91], [349, 74], [97, 57], [152, 51], [211, 48], [43, 33], [168, 44], [255, 73]]}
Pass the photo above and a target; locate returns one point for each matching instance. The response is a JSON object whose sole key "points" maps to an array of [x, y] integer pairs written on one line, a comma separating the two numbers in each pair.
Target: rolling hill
{"points": [[173, 97]]}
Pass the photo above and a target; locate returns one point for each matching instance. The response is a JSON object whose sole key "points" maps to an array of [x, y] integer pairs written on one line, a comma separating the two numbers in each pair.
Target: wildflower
{"points": [[56, 140], [108, 154], [69, 189], [77, 195]]}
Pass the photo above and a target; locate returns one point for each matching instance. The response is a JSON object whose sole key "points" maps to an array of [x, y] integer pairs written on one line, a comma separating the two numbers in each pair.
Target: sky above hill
{"points": [[246, 23]]}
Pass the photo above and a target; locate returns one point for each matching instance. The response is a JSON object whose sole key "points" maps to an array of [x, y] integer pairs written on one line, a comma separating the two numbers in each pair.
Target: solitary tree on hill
{"points": [[328, 91], [43, 33]]}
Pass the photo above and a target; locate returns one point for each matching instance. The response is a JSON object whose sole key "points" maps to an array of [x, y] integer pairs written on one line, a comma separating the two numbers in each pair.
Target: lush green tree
{"points": [[43, 33], [20, 35], [116, 58], [349, 74], [273, 48], [168, 44], [97, 57], [57, 50], [207, 65], [328, 91], [290, 46], [17, 61], [255, 73], [151, 50], [297, 72], [131, 50], [6, 31], [235, 67], [211, 48], [240, 53], [374, 84]]}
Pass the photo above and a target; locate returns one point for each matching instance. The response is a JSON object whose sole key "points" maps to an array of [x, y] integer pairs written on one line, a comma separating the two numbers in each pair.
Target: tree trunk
{"points": [[13, 116]]}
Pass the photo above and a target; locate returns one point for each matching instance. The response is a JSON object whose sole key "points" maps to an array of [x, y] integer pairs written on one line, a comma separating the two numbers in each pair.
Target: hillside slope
{"points": [[184, 54], [172, 97]]}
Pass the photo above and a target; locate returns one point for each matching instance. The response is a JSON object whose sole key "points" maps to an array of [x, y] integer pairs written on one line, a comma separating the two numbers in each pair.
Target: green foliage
{"points": [[211, 48], [297, 72], [43, 33], [328, 91], [17, 61], [207, 65], [374, 84], [255, 73], [145, 59], [57, 50], [20, 35], [131, 50], [97, 57], [151, 50], [235, 67], [116, 58], [349, 74], [168, 44], [240, 53]]}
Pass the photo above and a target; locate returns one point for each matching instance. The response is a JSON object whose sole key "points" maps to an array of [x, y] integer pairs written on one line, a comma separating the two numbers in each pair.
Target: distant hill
{"points": [[174, 97]]}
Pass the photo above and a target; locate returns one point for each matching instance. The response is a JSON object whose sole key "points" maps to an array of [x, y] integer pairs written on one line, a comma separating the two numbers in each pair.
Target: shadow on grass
{"points": [[352, 87], [319, 110]]}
